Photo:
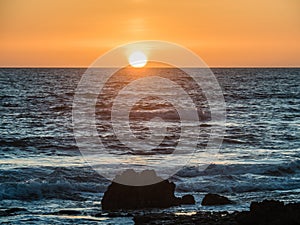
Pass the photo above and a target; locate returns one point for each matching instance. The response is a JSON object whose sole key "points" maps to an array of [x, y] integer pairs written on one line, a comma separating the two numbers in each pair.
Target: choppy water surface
{"points": [[42, 170]]}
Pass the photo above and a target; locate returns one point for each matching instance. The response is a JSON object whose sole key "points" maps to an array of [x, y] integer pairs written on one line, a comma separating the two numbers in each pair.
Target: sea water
{"points": [[43, 171]]}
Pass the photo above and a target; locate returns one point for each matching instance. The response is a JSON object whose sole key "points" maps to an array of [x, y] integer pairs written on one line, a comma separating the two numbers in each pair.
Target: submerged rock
{"points": [[69, 212], [215, 199], [157, 195], [12, 211]]}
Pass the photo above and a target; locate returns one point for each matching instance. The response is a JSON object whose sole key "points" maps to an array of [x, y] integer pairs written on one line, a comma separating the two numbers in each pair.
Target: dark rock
{"points": [[132, 178], [270, 212], [188, 200], [157, 195], [14, 210], [98, 215], [215, 199], [11, 211], [68, 212], [267, 206]]}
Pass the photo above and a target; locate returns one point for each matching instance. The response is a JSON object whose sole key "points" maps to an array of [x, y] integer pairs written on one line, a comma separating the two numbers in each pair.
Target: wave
{"points": [[240, 178], [73, 183], [38, 189], [239, 185], [282, 169], [50, 182]]}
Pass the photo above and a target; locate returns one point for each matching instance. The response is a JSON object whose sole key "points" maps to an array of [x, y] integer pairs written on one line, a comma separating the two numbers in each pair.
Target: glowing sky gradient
{"points": [[222, 32]]}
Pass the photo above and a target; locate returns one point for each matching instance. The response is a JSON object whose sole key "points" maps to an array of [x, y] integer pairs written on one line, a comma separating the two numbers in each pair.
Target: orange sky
{"points": [[221, 32]]}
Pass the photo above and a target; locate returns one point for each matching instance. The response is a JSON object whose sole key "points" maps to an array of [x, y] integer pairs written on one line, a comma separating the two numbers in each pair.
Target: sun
{"points": [[137, 59]]}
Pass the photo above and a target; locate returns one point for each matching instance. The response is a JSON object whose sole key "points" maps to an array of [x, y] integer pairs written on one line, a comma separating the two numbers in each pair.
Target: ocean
{"points": [[42, 169]]}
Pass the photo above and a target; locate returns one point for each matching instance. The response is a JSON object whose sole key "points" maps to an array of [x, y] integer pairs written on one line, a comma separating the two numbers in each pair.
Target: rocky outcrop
{"points": [[271, 212], [268, 212], [215, 199], [158, 195]]}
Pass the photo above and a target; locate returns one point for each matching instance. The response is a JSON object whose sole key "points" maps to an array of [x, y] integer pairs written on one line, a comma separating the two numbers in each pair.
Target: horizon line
{"points": [[86, 67]]}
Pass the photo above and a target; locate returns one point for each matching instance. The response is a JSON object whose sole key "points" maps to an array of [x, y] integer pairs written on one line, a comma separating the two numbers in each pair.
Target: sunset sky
{"points": [[74, 33]]}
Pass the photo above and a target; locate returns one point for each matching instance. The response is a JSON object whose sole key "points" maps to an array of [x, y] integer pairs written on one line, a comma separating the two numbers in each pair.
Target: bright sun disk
{"points": [[137, 59]]}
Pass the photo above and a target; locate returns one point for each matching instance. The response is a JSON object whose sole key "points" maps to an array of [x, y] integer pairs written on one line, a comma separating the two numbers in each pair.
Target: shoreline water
{"points": [[267, 212]]}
